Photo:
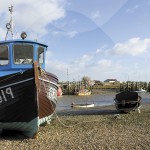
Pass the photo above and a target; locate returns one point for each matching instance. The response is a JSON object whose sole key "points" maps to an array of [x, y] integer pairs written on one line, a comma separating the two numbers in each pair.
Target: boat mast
{"points": [[10, 26]]}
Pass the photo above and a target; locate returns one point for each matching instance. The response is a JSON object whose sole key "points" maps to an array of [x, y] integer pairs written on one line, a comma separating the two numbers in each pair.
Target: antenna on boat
{"points": [[10, 26]]}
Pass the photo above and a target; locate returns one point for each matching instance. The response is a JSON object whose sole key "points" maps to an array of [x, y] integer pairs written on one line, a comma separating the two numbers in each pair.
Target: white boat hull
{"points": [[82, 105]]}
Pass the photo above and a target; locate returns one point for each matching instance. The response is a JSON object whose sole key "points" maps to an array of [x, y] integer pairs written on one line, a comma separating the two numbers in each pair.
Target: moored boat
{"points": [[83, 92], [74, 105], [127, 101], [141, 91], [28, 94], [59, 91]]}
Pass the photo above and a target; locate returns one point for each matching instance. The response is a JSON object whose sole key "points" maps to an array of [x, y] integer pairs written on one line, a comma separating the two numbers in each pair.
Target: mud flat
{"points": [[99, 128]]}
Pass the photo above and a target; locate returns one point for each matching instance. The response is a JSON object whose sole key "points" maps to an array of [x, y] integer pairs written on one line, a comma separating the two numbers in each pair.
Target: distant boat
{"points": [[28, 94], [141, 91], [127, 101], [59, 91], [74, 105], [83, 92]]}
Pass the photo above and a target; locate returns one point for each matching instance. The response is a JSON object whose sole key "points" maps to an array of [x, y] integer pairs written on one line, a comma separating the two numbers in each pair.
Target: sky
{"points": [[101, 39]]}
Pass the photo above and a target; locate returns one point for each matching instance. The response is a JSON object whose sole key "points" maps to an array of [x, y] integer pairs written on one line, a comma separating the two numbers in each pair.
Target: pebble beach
{"points": [[99, 128]]}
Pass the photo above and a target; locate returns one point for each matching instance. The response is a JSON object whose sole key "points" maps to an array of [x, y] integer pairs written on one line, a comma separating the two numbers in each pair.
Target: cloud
{"points": [[99, 51], [34, 15], [98, 70], [102, 50], [83, 60], [133, 47], [70, 34], [105, 63], [131, 10], [58, 68], [48, 54], [78, 67], [95, 15]]}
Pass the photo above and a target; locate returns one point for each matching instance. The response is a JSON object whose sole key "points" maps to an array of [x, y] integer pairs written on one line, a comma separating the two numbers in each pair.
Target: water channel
{"points": [[64, 102]]}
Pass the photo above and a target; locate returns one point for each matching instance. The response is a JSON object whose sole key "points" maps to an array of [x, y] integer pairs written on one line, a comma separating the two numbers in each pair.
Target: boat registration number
{"points": [[5, 95], [52, 93]]}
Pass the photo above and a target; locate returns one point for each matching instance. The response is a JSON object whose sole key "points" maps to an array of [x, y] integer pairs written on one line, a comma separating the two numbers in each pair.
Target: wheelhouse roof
{"points": [[21, 41]]}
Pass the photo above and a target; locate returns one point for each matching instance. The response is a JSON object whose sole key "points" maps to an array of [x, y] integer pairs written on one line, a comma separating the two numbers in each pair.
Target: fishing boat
{"points": [[127, 101], [83, 92], [28, 94]]}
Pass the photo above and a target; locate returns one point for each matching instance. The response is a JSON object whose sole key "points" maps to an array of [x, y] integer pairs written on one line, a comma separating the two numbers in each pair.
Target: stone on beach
{"points": [[97, 128]]}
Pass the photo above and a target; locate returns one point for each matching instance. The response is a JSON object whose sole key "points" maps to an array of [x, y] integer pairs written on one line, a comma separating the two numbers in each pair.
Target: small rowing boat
{"points": [[127, 101], [82, 105]]}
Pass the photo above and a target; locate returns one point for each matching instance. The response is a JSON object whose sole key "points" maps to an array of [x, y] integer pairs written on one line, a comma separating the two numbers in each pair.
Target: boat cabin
{"points": [[19, 55]]}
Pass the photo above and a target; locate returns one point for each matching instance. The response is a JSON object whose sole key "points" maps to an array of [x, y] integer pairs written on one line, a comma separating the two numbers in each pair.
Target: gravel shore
{"points": [[99, 128]]}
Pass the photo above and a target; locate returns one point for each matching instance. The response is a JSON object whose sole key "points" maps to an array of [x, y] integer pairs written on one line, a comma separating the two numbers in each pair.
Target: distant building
{"points": [[110, 81], [97, 82]]}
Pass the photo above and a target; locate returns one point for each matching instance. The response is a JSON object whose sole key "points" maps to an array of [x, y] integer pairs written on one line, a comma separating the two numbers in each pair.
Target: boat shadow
{"points": [[12, 135]]}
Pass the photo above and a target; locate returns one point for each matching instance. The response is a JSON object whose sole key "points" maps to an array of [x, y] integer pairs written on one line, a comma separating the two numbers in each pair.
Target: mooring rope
{"points": [[58, 118]]}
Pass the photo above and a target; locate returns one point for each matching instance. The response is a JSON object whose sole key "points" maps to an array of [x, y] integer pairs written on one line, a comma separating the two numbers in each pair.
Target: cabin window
{"points": [[23, 54], [4, 60], [41, 55]]}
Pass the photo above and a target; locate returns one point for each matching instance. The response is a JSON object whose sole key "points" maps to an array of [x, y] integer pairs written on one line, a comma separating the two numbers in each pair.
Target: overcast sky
{"points": [[97, 38]]}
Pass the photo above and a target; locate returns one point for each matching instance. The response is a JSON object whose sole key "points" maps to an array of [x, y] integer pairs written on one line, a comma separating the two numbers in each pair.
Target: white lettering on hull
{"points": [[5, 94], [52, 93]]}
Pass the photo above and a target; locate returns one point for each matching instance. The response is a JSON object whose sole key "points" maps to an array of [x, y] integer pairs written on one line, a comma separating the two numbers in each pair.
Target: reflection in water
{"points": [[104, 99]]}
